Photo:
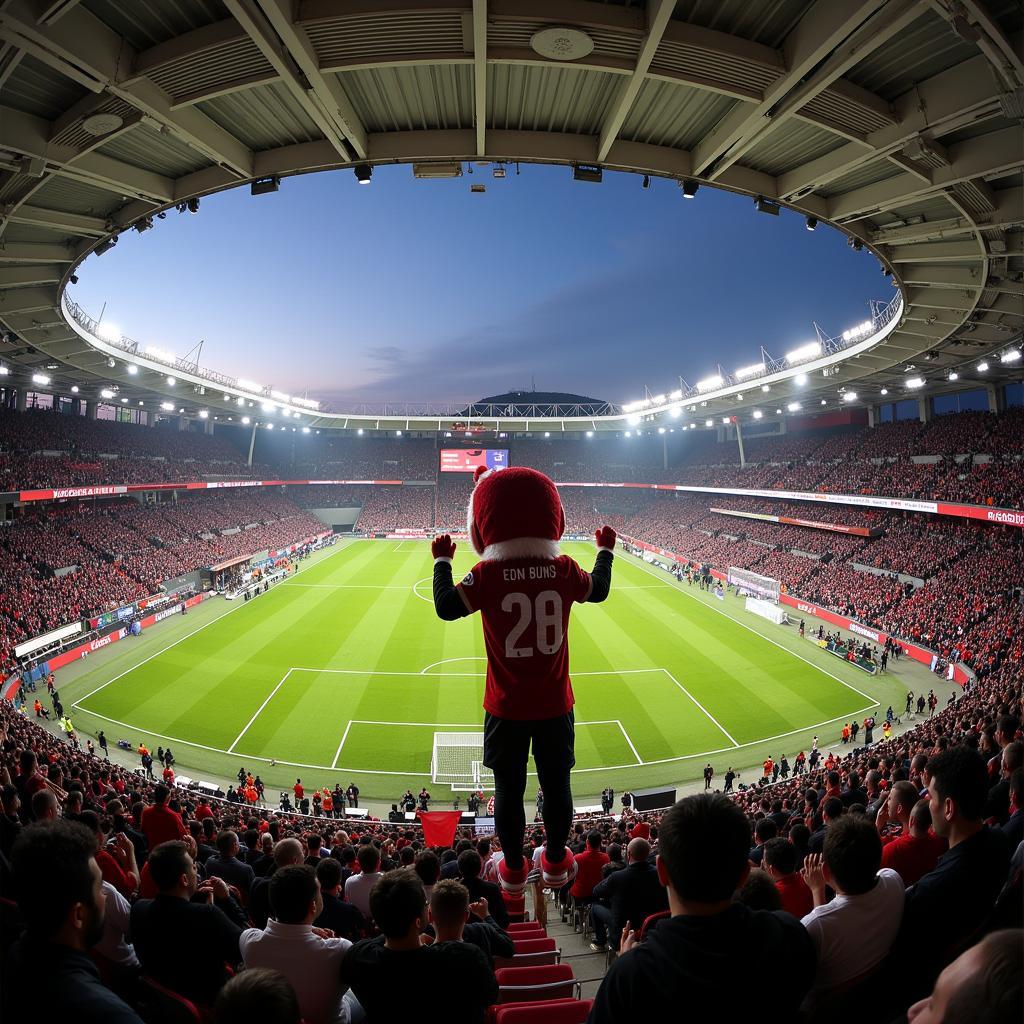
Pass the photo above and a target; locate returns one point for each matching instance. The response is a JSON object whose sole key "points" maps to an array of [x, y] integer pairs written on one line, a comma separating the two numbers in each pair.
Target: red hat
{"points": [[515, 513]]}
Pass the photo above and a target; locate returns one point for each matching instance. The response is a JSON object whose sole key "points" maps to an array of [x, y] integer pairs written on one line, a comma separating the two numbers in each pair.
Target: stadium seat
{"points": [[531, 953], [549, 1011], [530, 984], [160, 1005], [650, 922], [516, 906], [517, 927]]}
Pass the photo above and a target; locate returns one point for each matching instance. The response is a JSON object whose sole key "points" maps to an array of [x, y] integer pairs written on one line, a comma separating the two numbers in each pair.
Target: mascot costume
{"points": [[524, 589]]}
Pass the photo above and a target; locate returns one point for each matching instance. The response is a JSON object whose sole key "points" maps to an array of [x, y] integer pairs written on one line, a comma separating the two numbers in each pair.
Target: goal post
{"points": [[457, 761], [753, 584]]}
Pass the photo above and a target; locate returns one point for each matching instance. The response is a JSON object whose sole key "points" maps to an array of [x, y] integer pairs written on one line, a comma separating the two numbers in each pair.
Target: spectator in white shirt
{"points": [[114, 946], [310, 958], [358, 887], [854, 932]]}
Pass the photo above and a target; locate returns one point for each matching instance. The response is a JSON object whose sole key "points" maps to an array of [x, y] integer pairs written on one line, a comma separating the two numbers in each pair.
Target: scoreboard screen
{"points": [[466, 460]]}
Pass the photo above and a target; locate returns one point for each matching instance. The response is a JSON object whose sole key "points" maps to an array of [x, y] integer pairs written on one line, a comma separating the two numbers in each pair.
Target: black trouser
{"points": [[507, 745]]}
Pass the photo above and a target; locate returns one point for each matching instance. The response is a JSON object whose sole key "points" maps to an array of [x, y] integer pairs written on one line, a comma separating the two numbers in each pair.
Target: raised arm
{"points": [[447, 602], [601, 575]]}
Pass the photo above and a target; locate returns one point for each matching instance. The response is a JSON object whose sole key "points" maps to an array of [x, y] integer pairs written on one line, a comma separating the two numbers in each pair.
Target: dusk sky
{"points": [[420, 290]]}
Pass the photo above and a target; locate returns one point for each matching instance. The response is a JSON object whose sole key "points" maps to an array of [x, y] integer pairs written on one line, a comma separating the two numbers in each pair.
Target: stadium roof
{"points": [[897, 121]]}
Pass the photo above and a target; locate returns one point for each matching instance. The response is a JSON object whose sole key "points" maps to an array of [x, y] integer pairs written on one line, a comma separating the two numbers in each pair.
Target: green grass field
{"points": [[345, 672]]}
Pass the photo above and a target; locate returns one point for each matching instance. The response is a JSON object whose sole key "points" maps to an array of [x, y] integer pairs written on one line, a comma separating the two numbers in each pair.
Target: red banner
{"points": [[439, 827]]}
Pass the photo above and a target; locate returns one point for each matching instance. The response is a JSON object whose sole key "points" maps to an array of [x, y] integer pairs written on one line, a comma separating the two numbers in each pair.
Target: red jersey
{"points": [[525, 604]]}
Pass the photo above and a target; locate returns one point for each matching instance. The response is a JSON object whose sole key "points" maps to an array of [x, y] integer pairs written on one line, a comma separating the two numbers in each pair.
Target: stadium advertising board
{"points": [[45, 639], [466, 460], [860, 531]]}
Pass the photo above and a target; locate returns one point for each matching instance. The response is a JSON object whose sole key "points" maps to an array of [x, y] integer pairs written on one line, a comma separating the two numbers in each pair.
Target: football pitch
{"points": [[344, 672]]}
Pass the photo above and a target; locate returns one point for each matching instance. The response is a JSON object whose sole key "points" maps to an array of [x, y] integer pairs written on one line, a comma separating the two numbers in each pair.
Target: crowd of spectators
{"points": [[883, 875]]}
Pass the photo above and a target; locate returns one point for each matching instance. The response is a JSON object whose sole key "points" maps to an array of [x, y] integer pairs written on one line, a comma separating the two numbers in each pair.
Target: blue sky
{"points": [[419, 290]]}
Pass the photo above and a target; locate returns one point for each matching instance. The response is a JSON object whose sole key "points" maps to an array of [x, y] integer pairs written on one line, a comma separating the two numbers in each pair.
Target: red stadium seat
{"points": [[160, 1005], [516, 906], [532, 952], [529, 984], [550, 1011], [526, 928]]}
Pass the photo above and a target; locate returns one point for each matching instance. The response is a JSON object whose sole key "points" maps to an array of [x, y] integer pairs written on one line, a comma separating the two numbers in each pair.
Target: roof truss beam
{"points": [[820, 31], [984, 156], [480, 74], [56, 220], [659, 13]]}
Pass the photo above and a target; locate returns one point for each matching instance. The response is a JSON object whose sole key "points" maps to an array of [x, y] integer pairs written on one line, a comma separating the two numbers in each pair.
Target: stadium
{"points": [[228, 681]]}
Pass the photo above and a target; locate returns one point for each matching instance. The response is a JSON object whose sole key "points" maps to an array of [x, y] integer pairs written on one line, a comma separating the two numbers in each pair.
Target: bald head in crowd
{"points": [[45, 806], [638, 850], [288, 851]]}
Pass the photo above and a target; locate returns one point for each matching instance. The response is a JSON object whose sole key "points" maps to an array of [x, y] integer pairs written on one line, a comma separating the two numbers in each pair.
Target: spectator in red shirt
{"points": [[203, 810], [780, 860], [298, 791], [589, 867], [116, 859], [159, 822], [917, 850]]}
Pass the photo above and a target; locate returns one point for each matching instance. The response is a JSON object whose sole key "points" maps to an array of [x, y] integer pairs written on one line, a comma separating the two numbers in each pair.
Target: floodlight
{"points": [[305, 430], [203, 414], [726, 421], [360, 431], [689, 187], [4, 371], [765, 388], [628, 434], [547, 433], [398, 433], [1010, 356], [106, 246], [661, 430], [245, 421], [193, 205], [823, 402], [240, 400], [710, 383], [884, 391], [748, 371], [808, 351], [132, 369], [40, 378], [633, 420], [167, 406], [646, 182], [812, 223], [758, 414], [269, 426], [676, 413], [363, 173], [793, 406], [982, 366], [676, 395], [709, 423], [171, 381], [590, 433], [915, 382], [108, 331], [953, 375], [849, 396], [248, 385], [74, 387], [801, 379], [106, 393]]}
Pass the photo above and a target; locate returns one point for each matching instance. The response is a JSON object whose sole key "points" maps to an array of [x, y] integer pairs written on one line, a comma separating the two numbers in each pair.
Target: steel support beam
{"points": [[480, 74]]}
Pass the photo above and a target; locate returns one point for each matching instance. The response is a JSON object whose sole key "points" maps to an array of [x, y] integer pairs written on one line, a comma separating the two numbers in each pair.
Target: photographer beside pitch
{"points": [[524, 589]]}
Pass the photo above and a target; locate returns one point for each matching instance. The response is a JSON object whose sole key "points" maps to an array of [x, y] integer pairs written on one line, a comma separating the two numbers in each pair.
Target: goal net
{"points": [[457, 762], [753, 584]]}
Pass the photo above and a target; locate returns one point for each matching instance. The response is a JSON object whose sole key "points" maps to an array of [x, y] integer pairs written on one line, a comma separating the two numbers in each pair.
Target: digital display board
{"points": [[466, 460]]}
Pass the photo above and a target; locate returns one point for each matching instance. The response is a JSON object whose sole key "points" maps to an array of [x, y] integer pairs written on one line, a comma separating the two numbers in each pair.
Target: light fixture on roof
{"points": [[811, 223], [1011, 355], [171, 381], [758, 414], [646, 182], [143, 224], [628, 433], [305, 430], [193, 205], [803, 352], [269, 426], [726, 420], [884, 391], [204, 414], [561, 43], [982, 366], [106, 245], [547, 433], [661, 430], [953, 375], [106, 393], [793, 407], [710, 383], [590, 433], [709, 423], [765, 388], [849, 396], [124, 401], [363, 173], [915, 382], [763, 205], [823, 402], [132, 369], [398, 433], [108, 331], [74, 389], [689, 187], [749, 371], [167, 406], [633, 420], [800, 379], [675, 413], [360, 431], [40, 378], [4, 371]]}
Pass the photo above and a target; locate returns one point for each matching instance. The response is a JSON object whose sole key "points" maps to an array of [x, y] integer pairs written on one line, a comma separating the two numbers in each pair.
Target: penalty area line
{"points": [[725, 731], [639, 759], [259, 710], [344, 736]]}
